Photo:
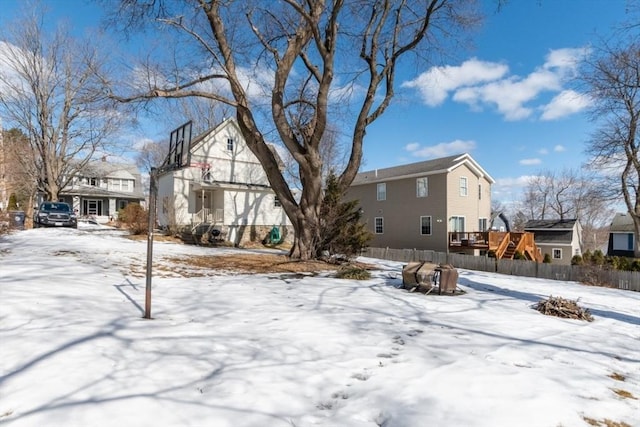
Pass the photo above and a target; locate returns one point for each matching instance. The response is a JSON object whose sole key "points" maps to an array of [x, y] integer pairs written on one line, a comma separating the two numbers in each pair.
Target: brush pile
{"points": [[560, 307]]}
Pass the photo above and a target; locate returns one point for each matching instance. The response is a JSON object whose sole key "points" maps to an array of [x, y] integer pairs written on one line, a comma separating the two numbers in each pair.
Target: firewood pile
{"points": [[560, 307]]}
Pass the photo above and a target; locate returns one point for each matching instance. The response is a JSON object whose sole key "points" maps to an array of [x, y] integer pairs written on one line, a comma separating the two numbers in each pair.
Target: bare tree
{"points": [[49, 90], [569, 194], [18, 172], [288, 58], [613, 81], [151, 155]]}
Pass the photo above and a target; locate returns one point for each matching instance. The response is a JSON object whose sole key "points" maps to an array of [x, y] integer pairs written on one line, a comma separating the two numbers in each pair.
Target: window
{"points": [[479, 191], [379, 225], [276, 202], [463, 186], [425, 225], [622, 242], [229, 144], [122, 204], [382, 191], [422, 187], [557, 253], [482, 224], [456, 223], [93, 182]]}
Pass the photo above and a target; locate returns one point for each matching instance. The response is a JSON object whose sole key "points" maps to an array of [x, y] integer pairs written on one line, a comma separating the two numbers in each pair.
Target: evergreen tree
{"points": [[341, 231]]}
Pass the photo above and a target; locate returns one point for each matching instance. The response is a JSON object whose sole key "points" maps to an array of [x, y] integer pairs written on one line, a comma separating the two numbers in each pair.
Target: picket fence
{"points": [[628, 280]]}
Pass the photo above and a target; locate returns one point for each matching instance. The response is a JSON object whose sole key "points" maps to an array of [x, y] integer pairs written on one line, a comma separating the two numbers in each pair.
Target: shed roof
{"points": [[550, 224], [622, 222]]}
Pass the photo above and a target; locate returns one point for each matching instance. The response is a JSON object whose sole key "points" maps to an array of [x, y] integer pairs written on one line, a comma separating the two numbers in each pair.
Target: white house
{"points": [[222, 191]]}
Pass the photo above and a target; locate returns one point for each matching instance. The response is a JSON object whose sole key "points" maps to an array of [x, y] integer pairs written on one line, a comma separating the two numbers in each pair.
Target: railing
{"points": [[207, 216], [503, 244]]}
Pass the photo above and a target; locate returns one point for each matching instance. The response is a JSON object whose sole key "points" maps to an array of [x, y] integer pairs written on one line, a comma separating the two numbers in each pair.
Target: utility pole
{"points": [[153, 193]]}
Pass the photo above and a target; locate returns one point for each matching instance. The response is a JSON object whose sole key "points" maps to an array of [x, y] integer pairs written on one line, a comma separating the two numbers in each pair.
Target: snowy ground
{"points": [[273, 350]]}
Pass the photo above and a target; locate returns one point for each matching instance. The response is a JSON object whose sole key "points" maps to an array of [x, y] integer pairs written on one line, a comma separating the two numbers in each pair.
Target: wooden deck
{"points": [[504, 245]]}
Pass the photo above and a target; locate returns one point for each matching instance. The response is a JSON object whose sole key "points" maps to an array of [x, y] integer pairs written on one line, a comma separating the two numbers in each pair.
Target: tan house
{"points": [[561, 239], [419, 205], [222, 191]]}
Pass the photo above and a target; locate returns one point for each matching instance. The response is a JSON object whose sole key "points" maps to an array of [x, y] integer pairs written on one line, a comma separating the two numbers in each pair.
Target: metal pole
{"points": [[153, 191]]}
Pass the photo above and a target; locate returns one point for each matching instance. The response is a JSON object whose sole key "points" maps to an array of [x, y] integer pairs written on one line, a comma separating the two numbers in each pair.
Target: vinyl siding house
{"points": [[561, 239], [621, 236], [418, 205], [102, 189], [223, 189]]}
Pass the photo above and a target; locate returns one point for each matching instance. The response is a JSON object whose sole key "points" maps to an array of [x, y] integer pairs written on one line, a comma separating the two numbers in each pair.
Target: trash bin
{"points": [[16, 220]]}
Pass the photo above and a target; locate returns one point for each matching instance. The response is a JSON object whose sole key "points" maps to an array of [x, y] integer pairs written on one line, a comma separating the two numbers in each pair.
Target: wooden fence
{"points": [[629, 280]]}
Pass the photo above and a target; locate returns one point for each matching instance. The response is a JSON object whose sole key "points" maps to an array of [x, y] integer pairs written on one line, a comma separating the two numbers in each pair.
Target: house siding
{"points": [[402, 208], [235, 186]]}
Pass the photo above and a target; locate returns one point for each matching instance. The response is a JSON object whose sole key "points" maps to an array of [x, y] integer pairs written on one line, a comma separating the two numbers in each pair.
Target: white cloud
{"points": [[435, 84], [529, 162], [412, 146], [441, 150], [565, 103], [482, 84], [543, 151], [559, 148]]}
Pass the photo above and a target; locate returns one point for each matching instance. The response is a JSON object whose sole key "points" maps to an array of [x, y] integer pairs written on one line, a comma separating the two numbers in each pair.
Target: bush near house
{"points": [[598, 260], [135, 218]]}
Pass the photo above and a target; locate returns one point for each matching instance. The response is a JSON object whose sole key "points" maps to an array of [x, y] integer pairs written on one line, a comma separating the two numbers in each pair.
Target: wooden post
{"points": [[153, 192]]}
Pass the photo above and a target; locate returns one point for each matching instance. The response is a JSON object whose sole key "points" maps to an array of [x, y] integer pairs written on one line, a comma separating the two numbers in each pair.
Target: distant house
{"points": [[103, 188], [621, 236], [222, 191], [561, 239], [419, 205]]}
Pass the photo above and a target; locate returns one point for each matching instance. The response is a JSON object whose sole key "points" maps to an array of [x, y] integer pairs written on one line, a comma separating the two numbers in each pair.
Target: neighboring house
{"points": [[621, 236], [420, 205], [102, 189], [222, 190], [499, 222], [561, 239]]}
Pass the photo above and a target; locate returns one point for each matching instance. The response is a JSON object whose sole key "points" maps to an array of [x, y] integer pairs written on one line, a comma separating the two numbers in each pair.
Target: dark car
{"points": [[55, 214]]}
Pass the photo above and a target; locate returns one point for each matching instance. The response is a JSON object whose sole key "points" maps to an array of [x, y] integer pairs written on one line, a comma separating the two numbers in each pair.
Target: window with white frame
{"points": [[456, 223], [425, 225], [422, 187], [382, 191], [229, 144], [482, 224], [276, 202], [557, 253], [464, 190], [379, 225]]}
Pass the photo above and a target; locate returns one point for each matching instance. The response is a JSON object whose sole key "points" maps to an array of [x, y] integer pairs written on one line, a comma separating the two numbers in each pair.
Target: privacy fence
{"points": [[629, 280]]}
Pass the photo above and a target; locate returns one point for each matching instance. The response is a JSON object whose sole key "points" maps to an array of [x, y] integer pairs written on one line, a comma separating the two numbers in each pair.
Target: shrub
{"points": [[518, 255], [13, 202], [353, 272], [547, 259], [598, 257], [577, 260], [135, 218]]}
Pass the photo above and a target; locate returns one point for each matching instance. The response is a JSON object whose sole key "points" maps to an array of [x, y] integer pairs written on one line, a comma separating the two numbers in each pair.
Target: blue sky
{"points": [[508, 101]]}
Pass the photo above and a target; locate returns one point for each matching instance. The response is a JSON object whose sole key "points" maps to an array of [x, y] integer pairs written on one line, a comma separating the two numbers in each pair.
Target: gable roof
{"points": [[622, 223], [428, 167]]}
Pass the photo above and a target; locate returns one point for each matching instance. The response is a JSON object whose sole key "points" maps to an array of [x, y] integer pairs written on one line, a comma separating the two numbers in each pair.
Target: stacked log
{"points": [[560, 307]]}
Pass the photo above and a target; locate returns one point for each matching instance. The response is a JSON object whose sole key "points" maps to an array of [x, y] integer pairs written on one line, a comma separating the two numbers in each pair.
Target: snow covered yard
{"points": [[228, 349]]}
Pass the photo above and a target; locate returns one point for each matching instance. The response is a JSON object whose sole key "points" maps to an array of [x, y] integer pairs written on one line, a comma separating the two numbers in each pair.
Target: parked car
{"points": [[55, 214]]}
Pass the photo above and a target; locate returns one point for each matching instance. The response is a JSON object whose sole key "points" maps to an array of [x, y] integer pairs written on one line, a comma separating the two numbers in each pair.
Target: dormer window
{"points": [[229, 144]]}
